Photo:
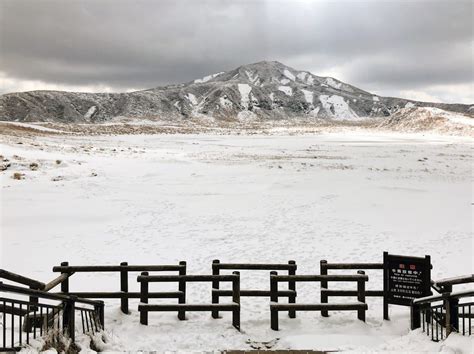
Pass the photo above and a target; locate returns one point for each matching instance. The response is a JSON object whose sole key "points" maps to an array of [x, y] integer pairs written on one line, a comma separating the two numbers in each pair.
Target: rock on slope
{"points": [[264, 90]]}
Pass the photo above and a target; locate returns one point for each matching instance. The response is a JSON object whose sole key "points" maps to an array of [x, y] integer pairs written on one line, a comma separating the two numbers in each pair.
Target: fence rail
{"points": [[144, 308], [446, 285], [275, 307], [326, 293], [290, 267], [123, 269]]}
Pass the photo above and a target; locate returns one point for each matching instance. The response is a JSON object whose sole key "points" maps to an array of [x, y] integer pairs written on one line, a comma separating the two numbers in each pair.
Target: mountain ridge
{"points": [[267, 90]]}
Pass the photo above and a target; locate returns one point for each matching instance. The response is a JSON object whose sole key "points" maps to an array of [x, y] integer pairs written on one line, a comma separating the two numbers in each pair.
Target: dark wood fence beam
{"points": [[20, 279]]}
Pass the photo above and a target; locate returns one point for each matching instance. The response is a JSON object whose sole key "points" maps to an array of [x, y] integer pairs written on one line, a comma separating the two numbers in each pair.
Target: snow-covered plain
{"points": [[345, 197]]}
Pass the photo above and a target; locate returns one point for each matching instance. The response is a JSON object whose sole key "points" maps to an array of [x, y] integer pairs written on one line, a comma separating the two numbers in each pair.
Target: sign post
{"points": [[404, 279]]}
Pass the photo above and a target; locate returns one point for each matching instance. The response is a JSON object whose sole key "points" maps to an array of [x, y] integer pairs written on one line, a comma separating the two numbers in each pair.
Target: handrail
{"points": [[254, 266], [464, 279], [118, 268], [21, 279], [57, 281], [354, 266], [45, 295], [320, 278], [434, 298]]}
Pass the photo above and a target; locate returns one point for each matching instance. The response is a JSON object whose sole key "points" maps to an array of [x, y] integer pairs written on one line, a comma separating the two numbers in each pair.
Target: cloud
{"points": [[383, 46]]}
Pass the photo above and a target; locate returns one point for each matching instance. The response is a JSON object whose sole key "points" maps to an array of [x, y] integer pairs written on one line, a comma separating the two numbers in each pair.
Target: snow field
{"points": [[165, 198]]}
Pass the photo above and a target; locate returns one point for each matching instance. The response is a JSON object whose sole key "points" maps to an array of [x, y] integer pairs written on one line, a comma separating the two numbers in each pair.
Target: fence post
{"points": [[33, 300], [182, 288], [124, 288], [361, 295], [65, 282], [100, 311], [68, 317], [324, 285], [236, 299], [292, 286], [415, 316], [273, 299], [144, 299], [386, 315], [452, 314], [215, 286]]}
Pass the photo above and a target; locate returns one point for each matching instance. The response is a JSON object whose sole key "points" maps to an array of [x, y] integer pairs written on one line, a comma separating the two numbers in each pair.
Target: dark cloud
{"points": [[378, 45]]}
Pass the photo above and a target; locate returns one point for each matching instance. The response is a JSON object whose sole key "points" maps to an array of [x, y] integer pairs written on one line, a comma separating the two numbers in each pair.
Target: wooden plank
{"points": [[187, 278], [17, 278], [456, 280], [318, 278], [434, 298], [189, 307], [372, 293], [56, 281], [254, 293], [129, 295], [118, 268], [43, 295], [254, 266], [318, 307], [355, 266]]}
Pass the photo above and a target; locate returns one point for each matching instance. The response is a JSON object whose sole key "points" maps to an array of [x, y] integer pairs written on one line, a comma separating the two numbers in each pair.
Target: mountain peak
{"points": [[261, 90]]}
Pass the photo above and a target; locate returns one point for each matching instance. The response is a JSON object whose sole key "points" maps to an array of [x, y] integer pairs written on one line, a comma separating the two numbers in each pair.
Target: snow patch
{"points": [[289, 75], [375, 99], [333, 83], [207, 78], [285, 81], [314, 112], [302, 76], [286, 90], [246, 116], [337, 107], [409, 105], [192, 99], [308, 96], [92, 110], [254, 79], [244, 90]]}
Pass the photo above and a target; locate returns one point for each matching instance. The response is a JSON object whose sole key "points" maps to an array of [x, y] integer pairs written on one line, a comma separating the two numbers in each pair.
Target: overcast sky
{"points": [[418, 49]]}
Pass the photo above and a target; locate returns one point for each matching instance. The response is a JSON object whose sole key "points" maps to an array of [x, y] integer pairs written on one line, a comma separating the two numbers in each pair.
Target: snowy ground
{"points": [[160, 199]]}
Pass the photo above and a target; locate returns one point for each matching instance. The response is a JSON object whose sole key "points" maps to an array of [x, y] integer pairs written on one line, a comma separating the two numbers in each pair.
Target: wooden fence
{"points": [[144, 308], [275, 307], [123, 269], [324, 267], [217, 266]]}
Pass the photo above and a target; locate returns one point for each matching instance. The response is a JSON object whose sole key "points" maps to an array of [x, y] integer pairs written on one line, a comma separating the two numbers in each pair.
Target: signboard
{"points": [[405, 279]]}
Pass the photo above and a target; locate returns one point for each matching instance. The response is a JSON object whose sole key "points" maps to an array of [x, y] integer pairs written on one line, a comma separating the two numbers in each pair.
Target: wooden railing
{"points": [[24, 319], [326, 293], [123, 269], [440, 315], [182, 306], [275, 307], [217, 266]]}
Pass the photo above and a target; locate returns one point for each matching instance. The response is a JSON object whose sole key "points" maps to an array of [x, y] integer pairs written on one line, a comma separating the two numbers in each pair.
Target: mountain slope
{"points": [[264, 90]]}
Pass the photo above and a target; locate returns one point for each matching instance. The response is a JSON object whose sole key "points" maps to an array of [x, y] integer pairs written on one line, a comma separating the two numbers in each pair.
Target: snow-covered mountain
{"points": [[266, 90]]}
